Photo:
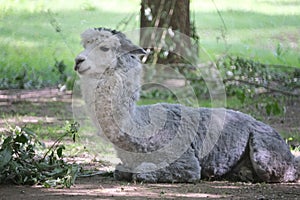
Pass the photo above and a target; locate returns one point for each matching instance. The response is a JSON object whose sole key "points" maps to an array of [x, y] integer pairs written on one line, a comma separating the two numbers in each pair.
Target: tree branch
{"points": [[264, 86]]}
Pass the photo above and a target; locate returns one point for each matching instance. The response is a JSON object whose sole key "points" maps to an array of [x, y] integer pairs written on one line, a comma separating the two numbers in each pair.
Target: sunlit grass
{"points": [[56, 5], [250, 34], [33, 34], [269, 7]]}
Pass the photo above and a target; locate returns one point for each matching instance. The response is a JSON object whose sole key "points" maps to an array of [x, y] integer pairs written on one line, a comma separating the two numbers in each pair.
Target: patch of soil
{"points": [[99, 187], [46, 106], [18, 105]]}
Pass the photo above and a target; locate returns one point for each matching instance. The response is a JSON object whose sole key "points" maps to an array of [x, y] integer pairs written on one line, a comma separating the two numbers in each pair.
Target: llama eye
{"points": [[104, 49]]}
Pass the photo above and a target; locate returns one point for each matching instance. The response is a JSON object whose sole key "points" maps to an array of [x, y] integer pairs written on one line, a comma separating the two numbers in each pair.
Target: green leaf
{"points": [[276, 110], [71, 175], [60, 150], [22, 139], [268, 109], [240, 94], [29, 131], [5, 157], [273, 108], [50, 183], [7, 142]]}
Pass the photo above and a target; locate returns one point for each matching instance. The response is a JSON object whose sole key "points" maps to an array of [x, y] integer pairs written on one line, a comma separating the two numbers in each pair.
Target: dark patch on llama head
{"points": [[127, 47], [107, 29]]}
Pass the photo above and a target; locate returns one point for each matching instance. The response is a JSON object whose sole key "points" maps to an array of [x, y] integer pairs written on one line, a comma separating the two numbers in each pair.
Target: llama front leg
{"points": [[185, 169]]}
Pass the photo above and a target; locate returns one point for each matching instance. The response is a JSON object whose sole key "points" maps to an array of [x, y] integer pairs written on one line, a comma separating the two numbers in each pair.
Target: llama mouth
{"points": [[83, 71]]}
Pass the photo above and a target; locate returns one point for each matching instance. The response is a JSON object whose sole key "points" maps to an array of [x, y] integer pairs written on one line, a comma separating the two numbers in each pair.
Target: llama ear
{"points": [[138, 51], [127, 46]]}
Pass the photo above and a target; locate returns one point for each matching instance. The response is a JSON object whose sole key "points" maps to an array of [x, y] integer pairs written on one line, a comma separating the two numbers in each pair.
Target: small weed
{"points": [[297, 149], [293, 142]]}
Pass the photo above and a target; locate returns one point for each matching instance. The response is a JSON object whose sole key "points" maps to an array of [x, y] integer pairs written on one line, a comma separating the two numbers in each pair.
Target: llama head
{"points": [[102, 50]]}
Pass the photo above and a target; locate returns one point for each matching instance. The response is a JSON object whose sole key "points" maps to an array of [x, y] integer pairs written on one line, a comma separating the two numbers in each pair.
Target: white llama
{"points": [[169, 142]]}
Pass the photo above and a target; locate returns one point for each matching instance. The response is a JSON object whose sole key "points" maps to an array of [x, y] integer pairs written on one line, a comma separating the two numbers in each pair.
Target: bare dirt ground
{"points": [[98, 187], [15, 107]]}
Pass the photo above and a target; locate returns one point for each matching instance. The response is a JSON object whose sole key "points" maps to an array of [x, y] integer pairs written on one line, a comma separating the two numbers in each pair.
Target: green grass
{"points": [[33, 34], [252, 29]]}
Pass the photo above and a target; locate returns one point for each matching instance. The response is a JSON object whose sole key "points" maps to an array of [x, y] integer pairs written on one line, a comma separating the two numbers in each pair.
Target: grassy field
{"points": [[267, 31], [35, 34]]}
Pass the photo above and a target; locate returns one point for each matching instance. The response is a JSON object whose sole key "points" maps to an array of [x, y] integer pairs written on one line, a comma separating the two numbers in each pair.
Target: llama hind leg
{"points": [[297, 159], [270, 155]]}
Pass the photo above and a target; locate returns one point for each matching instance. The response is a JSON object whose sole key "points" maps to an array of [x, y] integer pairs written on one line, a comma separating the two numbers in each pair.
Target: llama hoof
{"points": [[122, 174]]}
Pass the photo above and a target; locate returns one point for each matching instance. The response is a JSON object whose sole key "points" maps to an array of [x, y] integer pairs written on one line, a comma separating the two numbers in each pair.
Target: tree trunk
{"points": [[172, 15]]}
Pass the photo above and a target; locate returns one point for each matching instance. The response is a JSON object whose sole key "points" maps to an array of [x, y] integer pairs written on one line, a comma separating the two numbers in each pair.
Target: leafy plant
{"points": [[23, 160], [29, 78], [254, 84], [65, 80], [270, 85], [25, 78], [60, 68]]}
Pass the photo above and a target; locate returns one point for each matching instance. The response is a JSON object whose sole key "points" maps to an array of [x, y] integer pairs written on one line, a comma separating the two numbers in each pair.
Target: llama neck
{"points": [[115, 105]]}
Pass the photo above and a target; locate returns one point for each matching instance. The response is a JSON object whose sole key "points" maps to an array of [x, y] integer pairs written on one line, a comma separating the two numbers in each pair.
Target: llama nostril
{"points": [[78, 60]]}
